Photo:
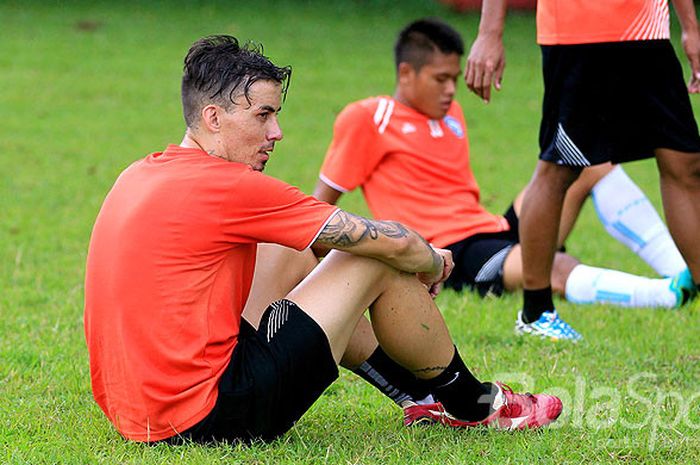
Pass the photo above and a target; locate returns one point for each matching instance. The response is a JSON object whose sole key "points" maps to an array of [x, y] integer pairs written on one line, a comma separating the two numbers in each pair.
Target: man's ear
{"points": [[211, 118], [405, 73]]}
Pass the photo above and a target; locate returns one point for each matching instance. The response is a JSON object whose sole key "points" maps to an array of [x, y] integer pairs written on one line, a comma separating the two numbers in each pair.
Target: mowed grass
{"points": [[89, 87]]}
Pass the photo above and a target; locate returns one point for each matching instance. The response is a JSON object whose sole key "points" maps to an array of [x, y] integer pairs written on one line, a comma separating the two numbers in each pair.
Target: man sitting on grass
{"points": [[179, 345], [409, 153]]}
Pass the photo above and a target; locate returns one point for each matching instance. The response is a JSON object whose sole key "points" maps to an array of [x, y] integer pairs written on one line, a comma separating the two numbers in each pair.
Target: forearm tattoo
{"points": [[347, 230]]}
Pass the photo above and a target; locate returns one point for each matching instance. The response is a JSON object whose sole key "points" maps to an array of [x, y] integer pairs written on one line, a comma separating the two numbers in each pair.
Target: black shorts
{"points": [[614, 102], [276, 373], [479, 259]]}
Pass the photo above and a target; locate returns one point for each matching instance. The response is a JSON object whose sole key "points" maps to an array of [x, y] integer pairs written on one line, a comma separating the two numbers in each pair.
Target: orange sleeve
{"points": [[354, 151], [261, 208]]}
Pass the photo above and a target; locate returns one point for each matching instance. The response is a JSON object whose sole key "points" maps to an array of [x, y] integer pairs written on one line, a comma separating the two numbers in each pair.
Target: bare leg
{"points": [[539, 221], [561, 269], [577, 195], [411, 331], [404, 317], [680, 192], [361, 346], [270, 285]]}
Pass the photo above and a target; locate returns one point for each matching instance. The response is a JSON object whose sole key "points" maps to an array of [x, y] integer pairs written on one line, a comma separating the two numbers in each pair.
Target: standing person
{"points": [[627, 215], [409, 153], [171, 265], [614, 92]]}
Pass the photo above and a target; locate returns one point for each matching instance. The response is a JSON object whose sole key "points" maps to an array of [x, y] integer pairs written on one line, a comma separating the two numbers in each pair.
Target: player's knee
{"points": [[556, 176], [682, 169], [691, 175], [561, 269], [366, 265]]}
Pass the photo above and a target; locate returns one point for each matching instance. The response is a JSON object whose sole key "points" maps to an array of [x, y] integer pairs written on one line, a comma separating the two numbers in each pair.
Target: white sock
{"points": [[588, 284], [630, 218]]}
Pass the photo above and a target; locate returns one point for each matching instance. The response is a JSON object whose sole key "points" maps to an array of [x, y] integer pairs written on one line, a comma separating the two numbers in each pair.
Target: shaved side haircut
{"points": [[420, 39], [218, 69]]}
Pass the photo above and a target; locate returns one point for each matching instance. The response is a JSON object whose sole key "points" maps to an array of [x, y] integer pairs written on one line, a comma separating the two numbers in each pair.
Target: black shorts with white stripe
{"points": [[614, 102], [276, 373], [479, 259]]}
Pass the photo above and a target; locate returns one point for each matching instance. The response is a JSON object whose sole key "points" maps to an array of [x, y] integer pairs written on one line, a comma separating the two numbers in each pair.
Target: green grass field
{"points": [[88, 87]]}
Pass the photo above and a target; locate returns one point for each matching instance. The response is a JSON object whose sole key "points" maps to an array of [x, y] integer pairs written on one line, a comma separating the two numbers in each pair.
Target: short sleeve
{"points": [[354, 151], [263, 209]]}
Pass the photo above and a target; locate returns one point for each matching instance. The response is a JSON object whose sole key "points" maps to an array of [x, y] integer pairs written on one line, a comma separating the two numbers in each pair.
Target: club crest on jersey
{"points": [[408, 128], [454, 126]]}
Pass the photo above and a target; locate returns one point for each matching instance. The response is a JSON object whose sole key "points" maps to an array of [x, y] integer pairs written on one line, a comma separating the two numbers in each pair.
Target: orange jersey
{"points": [[412, 169], [561, 22], [169, 270]]}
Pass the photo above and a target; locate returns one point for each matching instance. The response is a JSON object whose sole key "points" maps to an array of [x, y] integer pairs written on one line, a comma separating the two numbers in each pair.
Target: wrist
{"points": [[438, 263], [491, 32]]}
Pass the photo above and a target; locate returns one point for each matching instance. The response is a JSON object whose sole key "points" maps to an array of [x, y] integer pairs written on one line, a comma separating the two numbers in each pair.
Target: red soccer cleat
{"points": [[511, 411]]}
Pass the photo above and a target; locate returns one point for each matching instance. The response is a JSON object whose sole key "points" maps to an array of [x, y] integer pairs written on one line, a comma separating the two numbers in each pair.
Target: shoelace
{"points": [[565, 327], [509, 394]]}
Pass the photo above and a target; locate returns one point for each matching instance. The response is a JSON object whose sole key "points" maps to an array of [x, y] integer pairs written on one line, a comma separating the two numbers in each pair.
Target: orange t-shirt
{"points": [[412, 169], [169, 270], [562, 22]]}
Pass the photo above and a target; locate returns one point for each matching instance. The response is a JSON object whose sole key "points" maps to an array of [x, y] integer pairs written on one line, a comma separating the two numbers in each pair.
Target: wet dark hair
{"points": [[420, 39], [218, 70]]}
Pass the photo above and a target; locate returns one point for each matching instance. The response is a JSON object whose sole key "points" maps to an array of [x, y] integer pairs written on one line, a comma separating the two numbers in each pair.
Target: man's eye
{"points": [[263, 116]]}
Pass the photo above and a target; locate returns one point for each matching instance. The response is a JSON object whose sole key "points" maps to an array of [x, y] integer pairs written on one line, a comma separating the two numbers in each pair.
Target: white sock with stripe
{"points": [[588, 284], [630, 218]]}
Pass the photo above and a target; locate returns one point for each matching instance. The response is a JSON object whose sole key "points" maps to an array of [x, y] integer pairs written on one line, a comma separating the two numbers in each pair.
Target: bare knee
{"points": [[269, 284], [679, 168], [563, 266], [554, 177], [376, 273]]}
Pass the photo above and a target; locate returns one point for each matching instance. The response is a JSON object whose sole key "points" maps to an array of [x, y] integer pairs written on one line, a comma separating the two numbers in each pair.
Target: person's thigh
{"points": [[678, 166], [576, 195], [299, 366], [278, 270], [338, 291], [480, 264], [276, 373], [576, 96], [591, 117], [662, 114], [513, 269]]}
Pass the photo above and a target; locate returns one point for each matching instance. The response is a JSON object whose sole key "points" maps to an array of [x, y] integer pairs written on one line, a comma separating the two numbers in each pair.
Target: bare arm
{"points": [[487, 59], [389, 242], [326, 193], [685, 10]]}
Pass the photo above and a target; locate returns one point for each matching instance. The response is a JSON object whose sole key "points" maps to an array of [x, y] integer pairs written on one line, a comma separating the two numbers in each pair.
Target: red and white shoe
{"points": [[511, 411]]}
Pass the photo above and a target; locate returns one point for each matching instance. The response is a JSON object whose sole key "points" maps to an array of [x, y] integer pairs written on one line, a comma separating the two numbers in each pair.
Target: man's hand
{"points": [[485, 65], [691, 46], [434, 280], [690, 37]]}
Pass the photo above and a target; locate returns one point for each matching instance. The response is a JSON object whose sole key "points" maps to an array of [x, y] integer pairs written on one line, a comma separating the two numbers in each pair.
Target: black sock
{"points": [[463, 396], [393, 380], [536, 302]]}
